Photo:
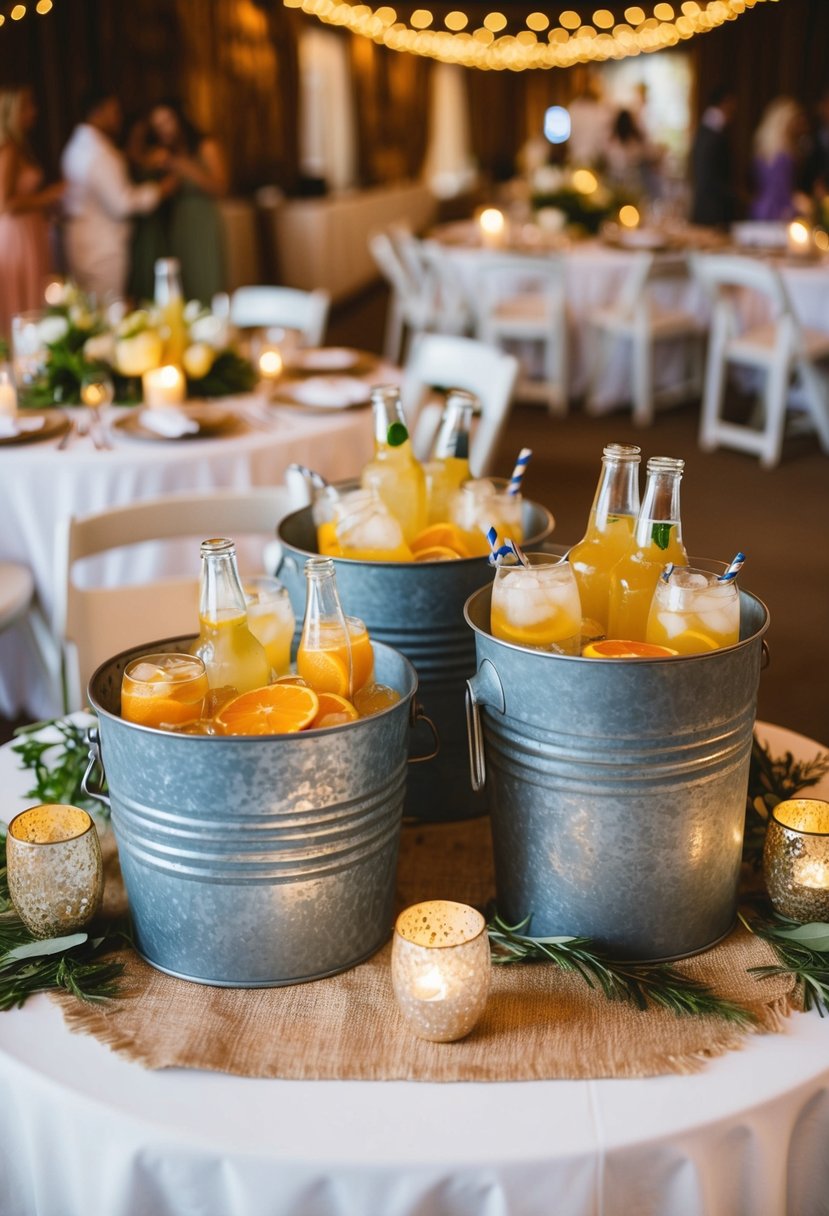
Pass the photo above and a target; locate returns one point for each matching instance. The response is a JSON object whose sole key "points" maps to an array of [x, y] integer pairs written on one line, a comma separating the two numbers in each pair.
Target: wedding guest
{"points": [[713, 196], [24, 203], [150, 239], [195, 225], [101, 199], [631, 160], [815, 173], [775, 160], [590, 122]]}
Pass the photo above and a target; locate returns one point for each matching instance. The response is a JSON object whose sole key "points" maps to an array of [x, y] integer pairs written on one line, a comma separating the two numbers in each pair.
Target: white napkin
{"points": [[326, 358], [330, 392], [16, 424], [168, 422]]}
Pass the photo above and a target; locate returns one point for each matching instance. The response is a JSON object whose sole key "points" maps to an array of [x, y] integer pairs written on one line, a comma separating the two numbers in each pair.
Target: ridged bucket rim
{"points": [[578, 658], [321, 731]]}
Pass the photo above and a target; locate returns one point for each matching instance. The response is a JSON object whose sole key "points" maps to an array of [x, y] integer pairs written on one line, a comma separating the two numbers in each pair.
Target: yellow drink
{"points": [[443, 479], [330, 663], [397, 477], [593, 559], [537, 605], [164, 690], [232, 655], [365, 530], [327, 542], [271, 621], [693, 612], [633, 583], [484, 503]]}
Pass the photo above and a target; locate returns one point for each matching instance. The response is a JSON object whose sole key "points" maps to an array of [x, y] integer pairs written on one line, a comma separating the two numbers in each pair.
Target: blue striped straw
{"points": [[499, 552], [316, 479], [734, 568], [518, 553], [668, 571], [518, 472]]}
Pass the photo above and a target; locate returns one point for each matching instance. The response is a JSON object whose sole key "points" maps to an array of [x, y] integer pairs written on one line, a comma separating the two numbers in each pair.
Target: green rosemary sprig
{"points": [[57, 764], [803, 951], [74, 962], [642, 984], [772, 780]]}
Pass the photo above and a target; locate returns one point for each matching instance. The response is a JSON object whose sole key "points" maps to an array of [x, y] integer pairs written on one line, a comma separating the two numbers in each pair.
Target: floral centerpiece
{"points": [[74, 339], [573, 198]]}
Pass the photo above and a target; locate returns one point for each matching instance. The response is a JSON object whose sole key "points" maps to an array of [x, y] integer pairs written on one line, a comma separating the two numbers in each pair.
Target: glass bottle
{"points": [[335, 653], [448, 464], [169, 300], [231, 654], [394, 473], [609, 530], [657, 540]]}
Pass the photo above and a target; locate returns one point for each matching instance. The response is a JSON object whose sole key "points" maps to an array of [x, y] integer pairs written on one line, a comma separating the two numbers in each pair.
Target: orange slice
{"points": [[612, 648], [374, 698], [437, 553], [276, 709], [699, 641], [441, 536], [333, 711], [291, 680], [324, 670]]}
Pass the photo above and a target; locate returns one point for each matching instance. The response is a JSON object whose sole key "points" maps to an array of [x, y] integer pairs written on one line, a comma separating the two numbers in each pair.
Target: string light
{"points": [[16, 12], [544, 41]]}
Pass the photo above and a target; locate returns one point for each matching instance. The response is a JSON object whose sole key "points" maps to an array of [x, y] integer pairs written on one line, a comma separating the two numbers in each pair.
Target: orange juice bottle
{"points": [[394, 473], [448, 465], [657, 540], [232, 656], [609, 529], [335, 653], [170, 303]]}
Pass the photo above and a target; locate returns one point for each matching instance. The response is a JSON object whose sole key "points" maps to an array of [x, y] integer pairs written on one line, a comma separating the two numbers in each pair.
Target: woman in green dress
{"points": [[194, 234]]}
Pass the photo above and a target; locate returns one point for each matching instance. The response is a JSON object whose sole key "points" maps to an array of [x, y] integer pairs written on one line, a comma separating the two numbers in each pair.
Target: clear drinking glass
{"points": [[271, 620], [366, 530], [55, 873], [441, 969], [164, 690], [694, 612], [483, 503], [97, 390], [537, 605], [29, 349]]}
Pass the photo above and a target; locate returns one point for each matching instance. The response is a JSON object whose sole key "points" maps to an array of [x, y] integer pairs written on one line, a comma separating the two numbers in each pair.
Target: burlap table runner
{"points": [[539, 1023]]}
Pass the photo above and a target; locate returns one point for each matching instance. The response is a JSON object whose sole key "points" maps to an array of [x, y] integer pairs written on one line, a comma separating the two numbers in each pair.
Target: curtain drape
{"points": [[327, 129]]}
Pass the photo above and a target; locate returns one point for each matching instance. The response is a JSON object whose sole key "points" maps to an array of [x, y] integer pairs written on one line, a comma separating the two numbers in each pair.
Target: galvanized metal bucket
{"points": [[617, 789], [259, 861], [417, 608]]}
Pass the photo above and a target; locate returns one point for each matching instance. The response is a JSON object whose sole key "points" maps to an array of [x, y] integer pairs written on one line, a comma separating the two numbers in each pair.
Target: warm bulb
{"points": [[628, 216], [584, 181], [798, 232], [270, 364], [492, 220]]}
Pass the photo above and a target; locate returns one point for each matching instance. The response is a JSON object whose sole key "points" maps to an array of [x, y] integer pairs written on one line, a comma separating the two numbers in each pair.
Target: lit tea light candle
{"points": [[54, 867], [796, 859], [270, 363], [629, 216], [163, 387], [441, 969], [493, 224], [8, 394], [799, 238]]}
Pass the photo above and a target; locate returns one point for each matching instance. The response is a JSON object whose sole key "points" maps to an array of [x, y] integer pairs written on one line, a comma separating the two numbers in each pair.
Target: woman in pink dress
{"points": [[24, 235]]}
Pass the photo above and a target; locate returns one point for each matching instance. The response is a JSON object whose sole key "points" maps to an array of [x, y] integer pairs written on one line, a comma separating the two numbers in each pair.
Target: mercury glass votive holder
{"points": [[796, 859], [55, 873], [440, 969]]}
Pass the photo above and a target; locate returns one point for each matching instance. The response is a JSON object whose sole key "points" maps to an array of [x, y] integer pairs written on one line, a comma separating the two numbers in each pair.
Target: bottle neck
{"points": [[618, 490], [391, 435], [322, 602], [452, 440], [167, 283], [221, 596], [661, 502]]}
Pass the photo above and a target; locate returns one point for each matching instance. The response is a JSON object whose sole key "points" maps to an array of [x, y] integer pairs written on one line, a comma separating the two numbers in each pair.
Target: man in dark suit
{"points": [[713, 200]]}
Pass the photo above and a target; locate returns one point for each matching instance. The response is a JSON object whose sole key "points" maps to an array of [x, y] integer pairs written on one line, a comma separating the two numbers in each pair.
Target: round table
{"points": [[82, 1130], [40, 484]]}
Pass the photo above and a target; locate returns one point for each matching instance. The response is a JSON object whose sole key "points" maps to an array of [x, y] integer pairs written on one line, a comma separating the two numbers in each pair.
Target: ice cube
{"points": [[672, 622], [690, 580], [375, 531], [147, 673]]}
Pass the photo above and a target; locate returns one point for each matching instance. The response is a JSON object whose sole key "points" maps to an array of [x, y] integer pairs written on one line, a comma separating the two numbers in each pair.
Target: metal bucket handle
{"points": [[417, 715], [484, 688], [94, 761]]}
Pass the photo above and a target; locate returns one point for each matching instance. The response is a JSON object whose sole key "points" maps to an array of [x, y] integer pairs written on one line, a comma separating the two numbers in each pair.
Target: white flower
{"points": [[52, 329], [210, 330], [192, 309], [139, 353], [198, 360], [548, 179], [80, 316], [550, 219], [100, 349]]}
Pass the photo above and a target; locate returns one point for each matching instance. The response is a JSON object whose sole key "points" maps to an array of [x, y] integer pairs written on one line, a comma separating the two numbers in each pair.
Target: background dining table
{"points": [[84, 1130], [40, 483]]}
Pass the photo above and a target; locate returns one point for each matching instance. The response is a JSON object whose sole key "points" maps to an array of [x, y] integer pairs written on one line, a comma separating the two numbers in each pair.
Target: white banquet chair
{"points": [[442, 361], [642, 324], [93, 623], [19, 606], [283, 307], [779, 349], [518, 299]]}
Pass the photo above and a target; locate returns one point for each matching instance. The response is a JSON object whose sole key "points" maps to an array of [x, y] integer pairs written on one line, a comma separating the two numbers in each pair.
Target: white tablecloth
{"points": [[594, 276], [83, 1131], [39, 485]]}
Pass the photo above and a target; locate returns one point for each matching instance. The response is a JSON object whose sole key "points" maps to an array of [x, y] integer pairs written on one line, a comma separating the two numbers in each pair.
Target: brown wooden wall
{"points": [[234, 64]]}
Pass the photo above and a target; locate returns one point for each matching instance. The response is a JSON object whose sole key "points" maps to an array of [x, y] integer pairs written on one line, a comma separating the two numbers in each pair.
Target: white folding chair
{"points": [[641, 323], [94, 623], [780, 349], [19, 606], [285, 307], [521, 299], [441, 361], [425, 297]]}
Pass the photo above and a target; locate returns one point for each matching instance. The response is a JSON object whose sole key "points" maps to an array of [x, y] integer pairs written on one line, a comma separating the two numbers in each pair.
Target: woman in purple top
{"points": [[775, 163]]}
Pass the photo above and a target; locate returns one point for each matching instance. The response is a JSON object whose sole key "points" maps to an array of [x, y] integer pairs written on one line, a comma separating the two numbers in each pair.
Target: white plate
{"points": [[326, 393]]}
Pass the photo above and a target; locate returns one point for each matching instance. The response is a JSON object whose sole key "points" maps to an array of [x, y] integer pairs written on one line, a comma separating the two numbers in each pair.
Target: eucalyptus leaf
{"points": [[48, 945], [814, 935]]}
